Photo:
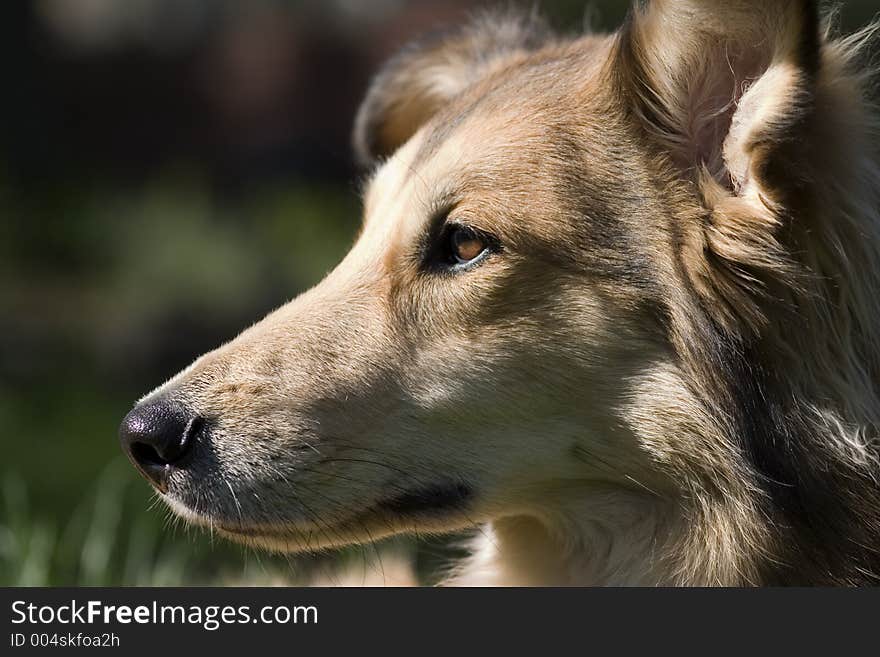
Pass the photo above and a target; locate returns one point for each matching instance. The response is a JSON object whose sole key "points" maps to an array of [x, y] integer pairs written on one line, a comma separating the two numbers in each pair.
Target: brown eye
{"points": [[466, 245]]}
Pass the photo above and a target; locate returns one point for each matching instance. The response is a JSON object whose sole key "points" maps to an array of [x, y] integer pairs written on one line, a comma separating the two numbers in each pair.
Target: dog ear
{"points": [[428, 74], [727, 89]]}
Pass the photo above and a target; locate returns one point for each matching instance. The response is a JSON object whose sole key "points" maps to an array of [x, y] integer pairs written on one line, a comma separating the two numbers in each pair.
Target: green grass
{"points": [[94, 546], [112, 538]]}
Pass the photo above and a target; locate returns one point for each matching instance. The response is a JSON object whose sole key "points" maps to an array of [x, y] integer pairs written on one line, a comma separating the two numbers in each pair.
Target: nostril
{"points": [[146, 455], [157, 435]]}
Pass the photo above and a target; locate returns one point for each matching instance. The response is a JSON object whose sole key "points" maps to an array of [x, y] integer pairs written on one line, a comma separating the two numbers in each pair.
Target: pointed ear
{"points": [[726, 88], [428, 74], [712, 78]]}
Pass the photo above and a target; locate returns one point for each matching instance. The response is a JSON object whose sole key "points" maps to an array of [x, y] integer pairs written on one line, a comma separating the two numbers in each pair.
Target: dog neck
{"points": [[611, 539]]}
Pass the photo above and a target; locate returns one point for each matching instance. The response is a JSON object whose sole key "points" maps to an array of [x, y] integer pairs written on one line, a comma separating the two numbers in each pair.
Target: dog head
{"points": [[549, 222]]}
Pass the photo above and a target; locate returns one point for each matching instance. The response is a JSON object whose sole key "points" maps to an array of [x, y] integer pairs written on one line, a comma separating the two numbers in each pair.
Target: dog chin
{"points": [[435, 509], [295, 540]]}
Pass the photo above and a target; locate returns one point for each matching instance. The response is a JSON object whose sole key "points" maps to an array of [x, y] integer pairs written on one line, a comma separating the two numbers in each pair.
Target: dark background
{"points": [[170, 170]]}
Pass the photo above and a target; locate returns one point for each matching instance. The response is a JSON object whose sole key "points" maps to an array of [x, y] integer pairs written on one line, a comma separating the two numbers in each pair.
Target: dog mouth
{"points": [[430, 504]]}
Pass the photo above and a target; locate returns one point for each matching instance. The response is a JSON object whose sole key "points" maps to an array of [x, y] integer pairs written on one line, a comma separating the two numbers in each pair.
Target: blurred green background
{"points": [[170, 170]]}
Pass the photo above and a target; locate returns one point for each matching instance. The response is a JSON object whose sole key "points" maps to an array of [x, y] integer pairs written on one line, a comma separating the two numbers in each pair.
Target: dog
{"points": [[614, 303]]}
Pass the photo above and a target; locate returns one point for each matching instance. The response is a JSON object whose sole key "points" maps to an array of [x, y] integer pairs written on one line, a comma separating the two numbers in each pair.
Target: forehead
{"points": [[514, 103], [502, 141]]}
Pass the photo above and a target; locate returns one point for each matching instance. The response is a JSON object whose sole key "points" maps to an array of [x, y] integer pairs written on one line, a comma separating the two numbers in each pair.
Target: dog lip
{"points": [[448, 496], [430, 500]]}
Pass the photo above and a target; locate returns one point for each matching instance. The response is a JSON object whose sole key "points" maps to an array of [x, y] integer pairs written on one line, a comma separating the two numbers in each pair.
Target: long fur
{"points": [[785, 356]]}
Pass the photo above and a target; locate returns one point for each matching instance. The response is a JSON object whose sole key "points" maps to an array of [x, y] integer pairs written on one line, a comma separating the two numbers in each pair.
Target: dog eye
{"points": [[466, 245]]}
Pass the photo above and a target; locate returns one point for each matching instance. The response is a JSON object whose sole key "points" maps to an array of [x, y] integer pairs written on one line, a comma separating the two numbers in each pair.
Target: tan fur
{"points": [[685, 210]]}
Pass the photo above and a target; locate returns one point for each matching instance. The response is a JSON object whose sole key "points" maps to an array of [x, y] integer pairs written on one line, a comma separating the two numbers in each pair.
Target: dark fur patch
{"points": [[432, 499]]}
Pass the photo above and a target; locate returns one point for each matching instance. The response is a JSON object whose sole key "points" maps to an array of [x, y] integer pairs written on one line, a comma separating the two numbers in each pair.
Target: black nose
{"points": [[156, 436]]}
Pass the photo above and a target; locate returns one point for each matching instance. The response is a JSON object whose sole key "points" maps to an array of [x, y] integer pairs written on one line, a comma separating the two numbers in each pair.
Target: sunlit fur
{"points": [[666, 372]]}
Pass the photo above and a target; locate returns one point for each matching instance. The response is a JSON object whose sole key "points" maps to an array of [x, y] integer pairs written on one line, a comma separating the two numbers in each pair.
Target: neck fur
{"points": [[609, 540]]}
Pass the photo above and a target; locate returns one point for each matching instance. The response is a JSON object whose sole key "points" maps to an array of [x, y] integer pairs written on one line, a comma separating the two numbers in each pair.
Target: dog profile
{"points": [[614, 301]]}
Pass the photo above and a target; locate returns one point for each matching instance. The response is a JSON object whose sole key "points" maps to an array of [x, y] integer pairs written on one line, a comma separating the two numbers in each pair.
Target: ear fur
{"points": [[727, 89], [429, 73]]}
